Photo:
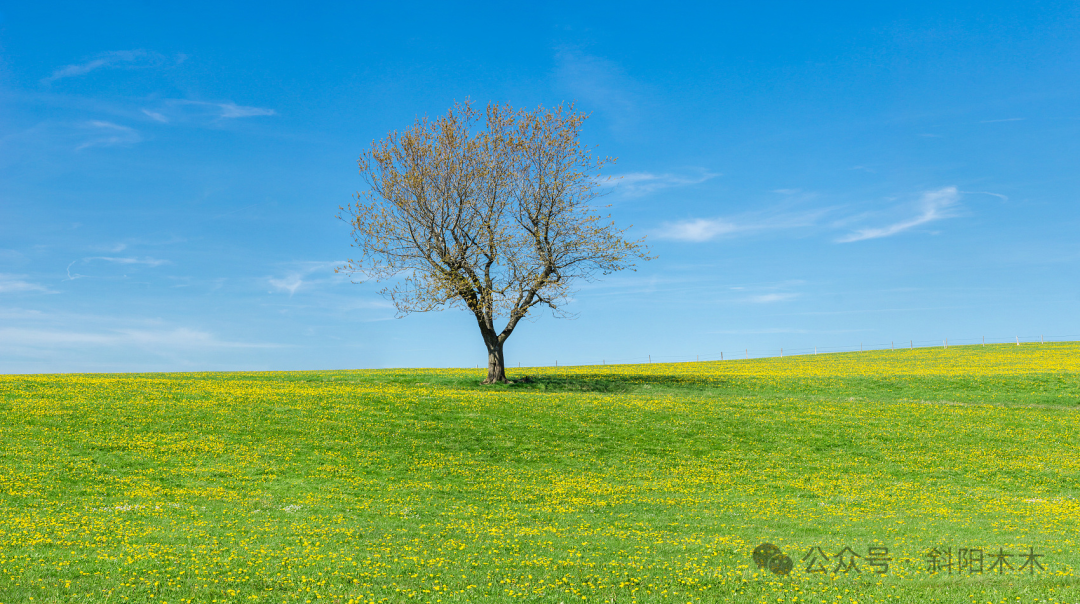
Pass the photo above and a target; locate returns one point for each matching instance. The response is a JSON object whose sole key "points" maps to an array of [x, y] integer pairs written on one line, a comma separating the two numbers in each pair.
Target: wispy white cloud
{"points": [[599, 83], [998, 195], [181, 109], [117, 58], [699, 230], [935, 205], [769, 293], [174, 338], [128, 260], [46, 138], [232, 110], [298, 276], [73, 276], [642, 183], [1008, 119], [33, 340], [17, 314], [770, 298], [107, 134], [290, 283], [931, 205], [17, 283], [154, 115]]}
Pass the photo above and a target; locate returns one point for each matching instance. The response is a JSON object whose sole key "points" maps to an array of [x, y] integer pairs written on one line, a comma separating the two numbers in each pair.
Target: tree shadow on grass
{"points": [[524, 382], [602, 383]]}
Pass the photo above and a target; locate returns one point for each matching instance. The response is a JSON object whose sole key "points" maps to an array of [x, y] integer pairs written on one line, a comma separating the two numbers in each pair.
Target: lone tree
{"points": [[491, 212]]}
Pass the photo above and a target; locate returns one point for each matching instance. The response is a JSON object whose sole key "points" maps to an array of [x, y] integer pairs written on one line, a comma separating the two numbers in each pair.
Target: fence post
{"points": [[747, 353], [913, 344]]}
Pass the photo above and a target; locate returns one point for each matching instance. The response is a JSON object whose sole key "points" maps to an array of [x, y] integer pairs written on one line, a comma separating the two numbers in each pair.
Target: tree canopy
{"points": [[489, 211]]}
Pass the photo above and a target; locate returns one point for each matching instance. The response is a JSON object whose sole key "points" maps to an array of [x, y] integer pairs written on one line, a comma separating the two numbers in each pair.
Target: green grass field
{"points": [[644, 483]]}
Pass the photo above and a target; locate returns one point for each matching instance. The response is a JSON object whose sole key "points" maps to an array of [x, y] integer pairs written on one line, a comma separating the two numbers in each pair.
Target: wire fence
{"points": [[759, 353]]}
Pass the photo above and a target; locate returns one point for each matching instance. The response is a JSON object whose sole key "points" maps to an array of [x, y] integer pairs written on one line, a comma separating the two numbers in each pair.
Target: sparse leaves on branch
{"points": [[491, 212]]}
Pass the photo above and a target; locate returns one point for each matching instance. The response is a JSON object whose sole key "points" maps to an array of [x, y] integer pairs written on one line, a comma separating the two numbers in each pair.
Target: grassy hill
{"points": [[646, 483]]}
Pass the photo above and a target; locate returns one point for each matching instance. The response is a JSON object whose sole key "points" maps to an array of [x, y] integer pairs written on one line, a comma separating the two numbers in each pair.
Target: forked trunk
{"points": [[496, 364]]}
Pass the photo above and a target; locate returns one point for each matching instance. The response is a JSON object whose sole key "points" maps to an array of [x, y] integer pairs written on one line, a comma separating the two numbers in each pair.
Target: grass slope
{"points": [[648, 483]]}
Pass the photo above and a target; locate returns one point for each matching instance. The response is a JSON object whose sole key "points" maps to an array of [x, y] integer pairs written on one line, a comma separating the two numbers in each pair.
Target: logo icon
{"points": [[769, 556]]}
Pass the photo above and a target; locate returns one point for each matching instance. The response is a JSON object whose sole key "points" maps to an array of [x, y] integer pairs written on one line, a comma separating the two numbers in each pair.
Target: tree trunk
{"points": [[496, 363]]}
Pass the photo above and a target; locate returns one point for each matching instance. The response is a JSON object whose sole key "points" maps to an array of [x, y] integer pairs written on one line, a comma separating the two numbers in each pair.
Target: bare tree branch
{"points": [[496, 219]]}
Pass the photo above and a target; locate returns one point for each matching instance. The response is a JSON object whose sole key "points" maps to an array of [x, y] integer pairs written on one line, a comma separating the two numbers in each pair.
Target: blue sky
{"points": [[807, 175]]}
